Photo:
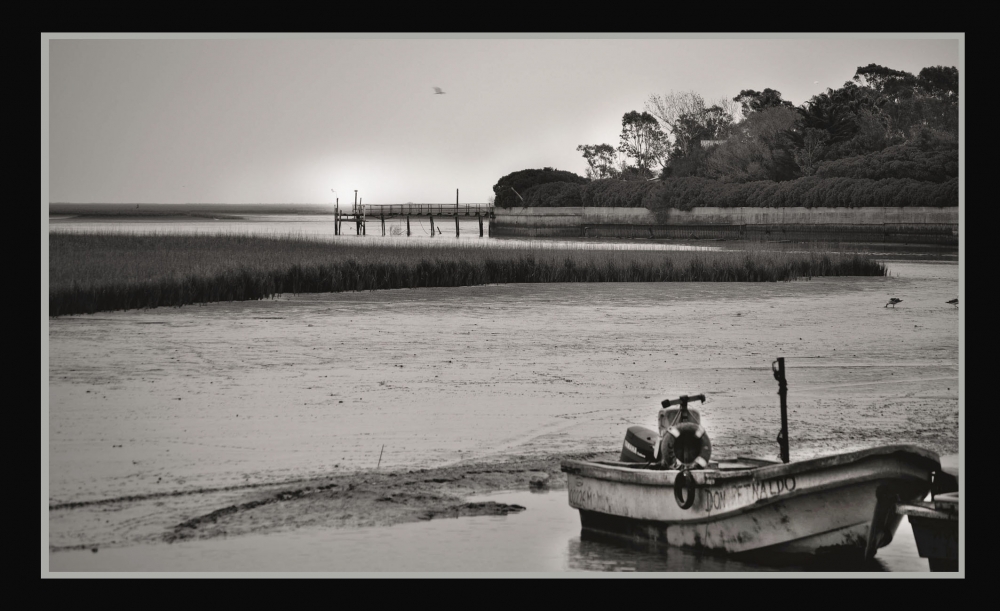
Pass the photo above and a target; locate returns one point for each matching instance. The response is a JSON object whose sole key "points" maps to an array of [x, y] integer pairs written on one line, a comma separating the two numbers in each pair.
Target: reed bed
{"points": [[106, 271]]}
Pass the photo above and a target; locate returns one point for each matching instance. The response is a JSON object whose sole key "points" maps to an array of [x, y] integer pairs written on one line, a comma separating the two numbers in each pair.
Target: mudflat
{"points": [[260, 416]]}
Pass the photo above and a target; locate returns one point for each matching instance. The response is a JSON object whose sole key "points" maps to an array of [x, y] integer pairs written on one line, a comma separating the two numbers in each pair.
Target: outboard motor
{"points": [[640, 445]]}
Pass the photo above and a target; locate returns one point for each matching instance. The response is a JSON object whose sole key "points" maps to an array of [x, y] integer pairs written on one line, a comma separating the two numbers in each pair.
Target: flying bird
{"points": [[893, 301], [437, 90], [954, 302]]}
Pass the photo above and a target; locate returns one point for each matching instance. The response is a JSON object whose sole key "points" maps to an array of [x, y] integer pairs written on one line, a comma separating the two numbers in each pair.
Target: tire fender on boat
{"points": [[684, 483], [687, 429]]}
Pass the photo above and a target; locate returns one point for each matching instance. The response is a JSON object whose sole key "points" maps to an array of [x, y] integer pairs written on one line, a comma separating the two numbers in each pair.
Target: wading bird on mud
{"points": [[893, 301], [953, 302], [437, 91]]}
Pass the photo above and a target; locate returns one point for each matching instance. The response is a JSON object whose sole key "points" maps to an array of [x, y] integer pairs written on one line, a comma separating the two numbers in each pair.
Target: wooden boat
{"points": [[678, 496]]}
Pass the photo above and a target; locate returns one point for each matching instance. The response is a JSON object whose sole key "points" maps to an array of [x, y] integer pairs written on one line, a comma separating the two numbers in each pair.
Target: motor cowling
{"points": [[640, 445]]}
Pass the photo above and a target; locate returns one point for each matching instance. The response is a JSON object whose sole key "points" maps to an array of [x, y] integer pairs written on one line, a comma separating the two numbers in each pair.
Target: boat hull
{"points": [[935, 529], [841, 503]]}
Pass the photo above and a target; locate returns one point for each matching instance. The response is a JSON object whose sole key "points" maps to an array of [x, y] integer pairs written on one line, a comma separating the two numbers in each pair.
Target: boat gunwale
{"points": [[922, 510], [665, 477]]}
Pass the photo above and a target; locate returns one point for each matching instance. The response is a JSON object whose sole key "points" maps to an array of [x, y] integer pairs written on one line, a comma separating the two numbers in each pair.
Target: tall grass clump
{"points": [[94, 272]]}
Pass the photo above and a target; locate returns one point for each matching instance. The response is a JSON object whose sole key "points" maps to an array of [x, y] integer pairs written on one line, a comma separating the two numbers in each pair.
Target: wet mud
{"points": [[370, 409]]}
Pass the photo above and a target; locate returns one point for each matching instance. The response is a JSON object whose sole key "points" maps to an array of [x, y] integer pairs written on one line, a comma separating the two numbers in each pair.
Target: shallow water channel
{"points": [[546, 537], [321, 228]]}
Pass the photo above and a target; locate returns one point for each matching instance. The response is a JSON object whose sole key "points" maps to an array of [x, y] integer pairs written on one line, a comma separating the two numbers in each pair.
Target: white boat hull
{"points": [[830, 504]]}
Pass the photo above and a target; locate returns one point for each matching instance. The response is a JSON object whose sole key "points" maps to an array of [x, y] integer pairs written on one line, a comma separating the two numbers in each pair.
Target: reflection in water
{"points": [[589, 551], [321, 227], [544, 538], [597, 552]]}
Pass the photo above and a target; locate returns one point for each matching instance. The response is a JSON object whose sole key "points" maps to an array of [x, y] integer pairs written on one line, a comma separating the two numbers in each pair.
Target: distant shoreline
{"points": [[153, 216], [186, 210], [229, 211]]}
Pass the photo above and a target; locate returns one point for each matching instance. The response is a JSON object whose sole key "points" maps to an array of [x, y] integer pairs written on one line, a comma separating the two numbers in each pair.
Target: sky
{"points": [[288, 120]]}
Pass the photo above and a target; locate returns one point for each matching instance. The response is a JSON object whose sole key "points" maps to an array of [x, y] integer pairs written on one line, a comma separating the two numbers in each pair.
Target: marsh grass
{"points": [[105, 271]]}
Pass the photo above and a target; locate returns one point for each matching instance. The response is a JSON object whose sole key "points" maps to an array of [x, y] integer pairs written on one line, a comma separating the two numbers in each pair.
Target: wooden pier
{"points": [[397, 210], [359, 214]]}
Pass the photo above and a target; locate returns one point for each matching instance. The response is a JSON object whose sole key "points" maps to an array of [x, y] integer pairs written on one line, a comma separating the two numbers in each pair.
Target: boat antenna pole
{"points": [[779, 375]]}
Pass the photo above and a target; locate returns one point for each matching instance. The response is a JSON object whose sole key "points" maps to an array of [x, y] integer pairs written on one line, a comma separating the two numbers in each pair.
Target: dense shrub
{"points": [[621, 193], [692, 192], [554, 194], [900, 161], [523, 180], [808, 192]]}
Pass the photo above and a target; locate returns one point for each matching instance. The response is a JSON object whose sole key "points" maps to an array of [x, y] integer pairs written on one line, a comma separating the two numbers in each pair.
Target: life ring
{"points": [[684, 482], [686, 445]]}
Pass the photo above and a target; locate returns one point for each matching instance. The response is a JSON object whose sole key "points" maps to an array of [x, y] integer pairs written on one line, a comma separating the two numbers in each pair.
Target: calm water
{"points": [[546, 537], [321, 226]]}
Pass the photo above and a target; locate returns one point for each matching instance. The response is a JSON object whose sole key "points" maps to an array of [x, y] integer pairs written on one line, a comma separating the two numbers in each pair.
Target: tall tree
{"points": [[602, 160], [642, 140], [829, 112], [940, 80], [756, 101], [671, 109], [761, 148], [732, 108], [885, 81], [810, 144], [711, 123]]}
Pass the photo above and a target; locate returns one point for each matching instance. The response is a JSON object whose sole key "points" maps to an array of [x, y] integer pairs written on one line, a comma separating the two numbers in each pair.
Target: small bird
{"points": [[893, 301], [954, 302], [437, 90]]}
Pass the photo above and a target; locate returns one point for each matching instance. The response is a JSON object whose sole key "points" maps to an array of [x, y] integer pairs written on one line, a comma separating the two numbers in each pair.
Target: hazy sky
{"points": [[271, 121]]}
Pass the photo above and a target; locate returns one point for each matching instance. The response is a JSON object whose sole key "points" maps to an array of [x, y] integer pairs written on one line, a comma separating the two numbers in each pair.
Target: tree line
{"points": [[884, 129]]}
